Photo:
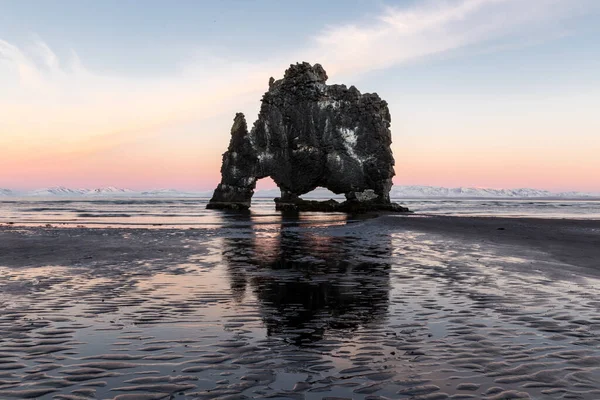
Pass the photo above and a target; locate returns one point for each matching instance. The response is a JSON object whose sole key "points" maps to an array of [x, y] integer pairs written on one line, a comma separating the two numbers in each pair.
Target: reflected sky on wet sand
{"points": [[301, 308]]}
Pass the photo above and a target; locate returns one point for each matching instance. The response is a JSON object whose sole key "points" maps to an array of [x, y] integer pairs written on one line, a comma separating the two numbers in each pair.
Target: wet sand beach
{"points": [[399, 307], [575, 242]]}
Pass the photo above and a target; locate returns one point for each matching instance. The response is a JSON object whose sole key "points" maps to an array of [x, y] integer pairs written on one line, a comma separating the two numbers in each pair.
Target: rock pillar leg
{"points": [[238, 178]]}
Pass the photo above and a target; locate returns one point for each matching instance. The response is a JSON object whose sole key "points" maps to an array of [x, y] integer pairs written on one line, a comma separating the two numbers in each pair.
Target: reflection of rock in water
{"points": [[307, 284]]}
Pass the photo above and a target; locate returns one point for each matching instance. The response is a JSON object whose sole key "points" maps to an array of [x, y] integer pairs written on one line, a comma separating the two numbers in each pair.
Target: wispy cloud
{"points": [[51, 106], [400, 34], [51, 100]]}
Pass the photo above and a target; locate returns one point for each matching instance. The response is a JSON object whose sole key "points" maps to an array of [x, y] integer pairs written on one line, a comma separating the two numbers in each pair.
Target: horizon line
{"points": [[125, 190]]}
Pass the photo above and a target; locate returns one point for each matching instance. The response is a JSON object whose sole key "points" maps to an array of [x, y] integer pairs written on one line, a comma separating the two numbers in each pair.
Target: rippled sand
{"points": [[372, 309]]}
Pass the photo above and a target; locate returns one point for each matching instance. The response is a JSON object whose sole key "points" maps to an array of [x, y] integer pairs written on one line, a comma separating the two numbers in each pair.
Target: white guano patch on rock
{"points": [[264, 156], [306, 148], [248, 181], [367, 195], [350, 138], [323, 104]]}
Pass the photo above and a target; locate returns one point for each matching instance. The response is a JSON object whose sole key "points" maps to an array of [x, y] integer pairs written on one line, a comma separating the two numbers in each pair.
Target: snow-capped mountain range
{"points": [[63, 191], [424, 192], [469, 192], [398, 192]]}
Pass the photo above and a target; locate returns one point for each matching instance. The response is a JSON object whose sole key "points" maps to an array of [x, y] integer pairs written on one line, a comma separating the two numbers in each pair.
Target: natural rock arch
{"points": [[310, 134]]}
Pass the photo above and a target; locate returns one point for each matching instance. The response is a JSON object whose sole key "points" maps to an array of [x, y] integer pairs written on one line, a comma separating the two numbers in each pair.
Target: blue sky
{"points": [[499, 93], [121, 36]]}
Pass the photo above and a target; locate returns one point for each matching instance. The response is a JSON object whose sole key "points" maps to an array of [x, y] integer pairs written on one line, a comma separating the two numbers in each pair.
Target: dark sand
{"points": [[407, 307], [572, 242]]}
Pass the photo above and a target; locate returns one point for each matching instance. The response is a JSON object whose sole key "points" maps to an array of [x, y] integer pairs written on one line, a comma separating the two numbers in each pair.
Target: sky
{"points": [[142, 95]]}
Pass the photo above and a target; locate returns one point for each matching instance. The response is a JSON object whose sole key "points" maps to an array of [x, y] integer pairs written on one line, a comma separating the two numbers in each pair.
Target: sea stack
{"points": [[310, 134]]}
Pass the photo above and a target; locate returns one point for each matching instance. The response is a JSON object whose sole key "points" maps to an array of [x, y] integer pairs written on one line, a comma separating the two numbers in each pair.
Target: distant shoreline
{"points": [[263, 197], [399, 192]]}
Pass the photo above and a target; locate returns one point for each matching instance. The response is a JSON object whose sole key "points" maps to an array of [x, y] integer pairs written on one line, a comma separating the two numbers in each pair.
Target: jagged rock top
{"points": [[304, 72]]}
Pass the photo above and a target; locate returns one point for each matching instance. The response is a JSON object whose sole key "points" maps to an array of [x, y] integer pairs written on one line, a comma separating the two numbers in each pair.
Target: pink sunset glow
{"points": [[198, 169], [522, 122]]}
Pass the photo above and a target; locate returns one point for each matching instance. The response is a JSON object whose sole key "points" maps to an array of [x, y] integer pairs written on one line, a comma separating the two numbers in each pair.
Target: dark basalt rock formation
{"points": [[310, 134]]}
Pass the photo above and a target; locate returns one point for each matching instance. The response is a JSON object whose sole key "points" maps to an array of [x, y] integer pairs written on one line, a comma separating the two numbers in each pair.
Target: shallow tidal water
{"points": [[295, 308], [183, 212]]}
